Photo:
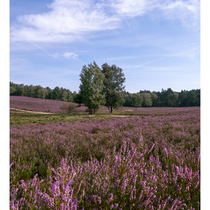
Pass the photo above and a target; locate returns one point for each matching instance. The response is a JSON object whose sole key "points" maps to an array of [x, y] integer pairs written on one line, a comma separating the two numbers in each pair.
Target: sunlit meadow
{"points": [[147, 160]]}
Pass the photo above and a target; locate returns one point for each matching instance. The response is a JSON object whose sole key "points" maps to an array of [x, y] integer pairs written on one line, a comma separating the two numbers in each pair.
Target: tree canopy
{"points": [[91, 87], [105, 86], [113, 86]]}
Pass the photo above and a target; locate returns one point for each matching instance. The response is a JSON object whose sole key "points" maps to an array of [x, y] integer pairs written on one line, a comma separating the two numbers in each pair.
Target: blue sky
{"points": [[156, 42]]}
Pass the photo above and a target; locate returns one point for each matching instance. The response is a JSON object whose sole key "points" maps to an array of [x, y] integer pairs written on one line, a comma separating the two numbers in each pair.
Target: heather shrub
{"points": [[68, 107], [145, 162], [123, 180]]}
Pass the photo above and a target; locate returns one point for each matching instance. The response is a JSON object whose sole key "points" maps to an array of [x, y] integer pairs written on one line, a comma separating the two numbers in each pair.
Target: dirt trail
{"points": [[22, 110]]}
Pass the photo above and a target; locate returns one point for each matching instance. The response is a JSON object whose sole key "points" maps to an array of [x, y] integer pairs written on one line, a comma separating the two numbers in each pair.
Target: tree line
{"points": [[165, 98], [105, 86], [38, 91]]}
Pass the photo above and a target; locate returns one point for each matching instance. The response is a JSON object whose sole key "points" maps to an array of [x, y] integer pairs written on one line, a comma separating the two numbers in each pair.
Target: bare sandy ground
{"points": [[22, 110]]}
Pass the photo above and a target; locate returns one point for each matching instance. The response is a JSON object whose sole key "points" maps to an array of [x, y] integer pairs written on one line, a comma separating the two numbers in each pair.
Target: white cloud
{"points": [[173, 9], [66, 55], [67, 21], [129, 8], [71, 20], [187, 11], [70, 55]]}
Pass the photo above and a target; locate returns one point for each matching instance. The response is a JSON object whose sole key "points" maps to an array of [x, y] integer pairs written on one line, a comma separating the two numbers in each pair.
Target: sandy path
{"points": [[22, 110]]}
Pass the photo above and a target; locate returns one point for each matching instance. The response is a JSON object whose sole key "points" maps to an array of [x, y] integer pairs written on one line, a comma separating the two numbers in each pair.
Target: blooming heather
{"points": [[144, 162]]}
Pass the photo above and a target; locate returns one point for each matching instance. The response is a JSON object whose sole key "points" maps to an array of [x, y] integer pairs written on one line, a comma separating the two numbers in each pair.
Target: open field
{"points": [[147, 160], [53, 106]]}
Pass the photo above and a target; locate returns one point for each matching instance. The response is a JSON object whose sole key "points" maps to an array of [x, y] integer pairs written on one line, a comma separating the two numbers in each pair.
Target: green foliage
{"points": [[30, 92], [128, 99], [39, 92], [56, 93], [113, 86], [169, 98], [68, 107], [155, 99], [165, 98], [91, 87], [191, 98], [136, 99], [69, 97], [12, 90], [20, 90], [77, 98], [147, 100]]}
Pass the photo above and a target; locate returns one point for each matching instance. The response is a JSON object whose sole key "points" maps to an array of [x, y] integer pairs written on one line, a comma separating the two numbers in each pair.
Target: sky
{"points": [[155, 42]]}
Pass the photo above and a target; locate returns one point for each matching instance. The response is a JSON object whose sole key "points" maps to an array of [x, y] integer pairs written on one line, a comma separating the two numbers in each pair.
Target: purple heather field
{"points": [[53, 106], [40, 105], [141, 162]]}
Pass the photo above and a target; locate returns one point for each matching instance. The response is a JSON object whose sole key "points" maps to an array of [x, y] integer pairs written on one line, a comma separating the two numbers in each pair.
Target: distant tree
{"points": [[113, 86], [183, 98], [56, 93], [91, 87], [69, 97], [176, 99], [39, 92], [25, 90], [74, 95], [77, 98], [144, 91], [13, 89], [191, 98], [127, 99], [64, 94], [48, 93], [30, 92], [147, 100], [155, 99], [171, 98], [137, 99], [20, 90], [197, 92], [167, 97]]}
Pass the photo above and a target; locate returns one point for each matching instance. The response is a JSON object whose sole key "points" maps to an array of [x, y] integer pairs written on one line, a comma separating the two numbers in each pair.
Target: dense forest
{"points": [[144, 98]]}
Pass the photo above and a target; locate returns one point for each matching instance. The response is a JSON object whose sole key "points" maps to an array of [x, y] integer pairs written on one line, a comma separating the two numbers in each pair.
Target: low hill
{"points": [[38, 104], [53, 106]]}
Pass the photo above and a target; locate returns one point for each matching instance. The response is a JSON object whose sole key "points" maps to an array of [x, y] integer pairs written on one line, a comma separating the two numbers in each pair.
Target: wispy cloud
{"points": [[129, 8], [67, 21], [190, 54], [186, 11], [65, 55], [70, 55], [70, 20]]}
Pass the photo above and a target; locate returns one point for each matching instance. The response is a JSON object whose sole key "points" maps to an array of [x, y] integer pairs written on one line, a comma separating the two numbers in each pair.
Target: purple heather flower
{"points": [[112, 206], [165, 150]]}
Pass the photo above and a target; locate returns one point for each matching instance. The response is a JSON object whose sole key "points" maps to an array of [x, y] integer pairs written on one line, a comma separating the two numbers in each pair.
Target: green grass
{"points": [[20, 117]]}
